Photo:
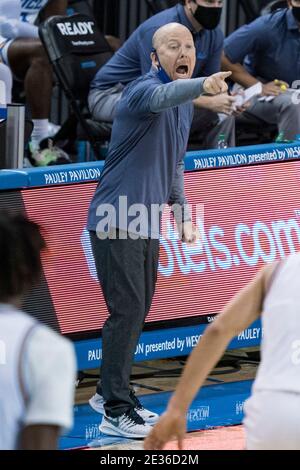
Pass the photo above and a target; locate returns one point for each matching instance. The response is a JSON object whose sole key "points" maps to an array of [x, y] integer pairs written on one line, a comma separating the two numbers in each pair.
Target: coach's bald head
{"points": [[174, 51]]}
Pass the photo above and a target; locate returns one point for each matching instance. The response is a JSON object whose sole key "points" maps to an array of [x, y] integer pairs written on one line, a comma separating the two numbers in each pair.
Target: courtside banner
{"points": [[204, 160], [64, 174], [251, 217], [164, 343], [251, 155]]}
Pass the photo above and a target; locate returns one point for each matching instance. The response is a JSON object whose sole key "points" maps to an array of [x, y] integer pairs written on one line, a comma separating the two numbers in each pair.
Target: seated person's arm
{"points": [[254, 38], [221, 103], [114, 42], [239, 73], [54, 7], [241, 76]]}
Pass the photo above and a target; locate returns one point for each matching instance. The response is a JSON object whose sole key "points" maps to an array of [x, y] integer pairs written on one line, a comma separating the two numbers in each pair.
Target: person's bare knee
{"points": [[41, 65], [25, 52], [29, 62], [38, 51]]}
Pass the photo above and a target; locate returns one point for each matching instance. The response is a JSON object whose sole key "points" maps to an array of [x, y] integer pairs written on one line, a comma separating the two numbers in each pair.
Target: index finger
{"points": [[224, 75]]}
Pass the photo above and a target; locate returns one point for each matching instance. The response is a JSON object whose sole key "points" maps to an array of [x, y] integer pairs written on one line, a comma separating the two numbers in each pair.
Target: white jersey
{"points": [[24, 10], [12, 11], [30, 9], [37, 376], [280, 364]]}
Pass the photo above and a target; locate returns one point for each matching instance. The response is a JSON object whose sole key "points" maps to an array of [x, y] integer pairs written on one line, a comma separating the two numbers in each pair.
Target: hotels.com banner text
{"points": [[251, 217]]}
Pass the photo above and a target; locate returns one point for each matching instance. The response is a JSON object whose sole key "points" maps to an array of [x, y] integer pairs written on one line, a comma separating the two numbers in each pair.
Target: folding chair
{"points": [[76, 50]]}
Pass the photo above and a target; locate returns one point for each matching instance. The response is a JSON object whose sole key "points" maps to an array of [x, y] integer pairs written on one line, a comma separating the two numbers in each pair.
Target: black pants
{"points": [[127, 271]]}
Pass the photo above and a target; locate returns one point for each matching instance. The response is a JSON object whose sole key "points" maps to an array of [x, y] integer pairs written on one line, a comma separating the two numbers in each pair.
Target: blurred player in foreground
{"points": [[37, 366], [272, 413]]}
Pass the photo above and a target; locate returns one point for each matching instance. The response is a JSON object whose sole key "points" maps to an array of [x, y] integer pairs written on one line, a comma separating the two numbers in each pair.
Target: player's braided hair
{"points": [[21, 244]]}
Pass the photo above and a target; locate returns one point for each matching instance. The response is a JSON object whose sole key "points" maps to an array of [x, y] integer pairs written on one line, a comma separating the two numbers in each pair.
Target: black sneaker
{"points": [[129, 425]]}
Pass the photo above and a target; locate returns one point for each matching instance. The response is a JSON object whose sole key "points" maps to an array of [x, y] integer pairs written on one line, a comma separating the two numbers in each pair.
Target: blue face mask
{"points": [[161, 71]]}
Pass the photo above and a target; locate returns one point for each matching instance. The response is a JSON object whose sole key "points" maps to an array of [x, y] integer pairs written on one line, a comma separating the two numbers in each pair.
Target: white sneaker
{"points": [[129, 425], [97, 403], [53, 129]]}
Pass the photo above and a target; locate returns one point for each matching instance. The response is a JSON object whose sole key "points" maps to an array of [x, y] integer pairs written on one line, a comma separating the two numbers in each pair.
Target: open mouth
{"points": [[182, 70]]}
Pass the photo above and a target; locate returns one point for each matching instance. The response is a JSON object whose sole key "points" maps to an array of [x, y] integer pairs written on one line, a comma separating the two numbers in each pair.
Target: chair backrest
{"points": [[76, 49]]}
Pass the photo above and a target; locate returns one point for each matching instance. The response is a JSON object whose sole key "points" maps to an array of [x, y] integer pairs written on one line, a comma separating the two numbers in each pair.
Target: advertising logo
{"points": [[239, 407], [200, 413], [251, 218], [82, 28]]}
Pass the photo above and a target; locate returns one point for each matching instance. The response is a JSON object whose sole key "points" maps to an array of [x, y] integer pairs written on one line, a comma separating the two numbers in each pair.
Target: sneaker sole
{"points": [[106, 429]]}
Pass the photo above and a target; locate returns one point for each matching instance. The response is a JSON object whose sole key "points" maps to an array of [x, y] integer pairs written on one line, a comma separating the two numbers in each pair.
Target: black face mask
{"points": [[296, 13], [208, 17]]}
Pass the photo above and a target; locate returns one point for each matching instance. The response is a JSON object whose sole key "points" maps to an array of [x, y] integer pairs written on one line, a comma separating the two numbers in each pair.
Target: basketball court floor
{"points": [[214, 419]]}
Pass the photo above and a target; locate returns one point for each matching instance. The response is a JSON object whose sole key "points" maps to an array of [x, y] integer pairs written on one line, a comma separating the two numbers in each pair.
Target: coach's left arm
{"points": [[180, 208]]}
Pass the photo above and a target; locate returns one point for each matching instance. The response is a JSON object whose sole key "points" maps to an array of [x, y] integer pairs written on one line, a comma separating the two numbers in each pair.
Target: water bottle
{"points": [[280, 137], [104, 149], [81, 151], [222, 144]]}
